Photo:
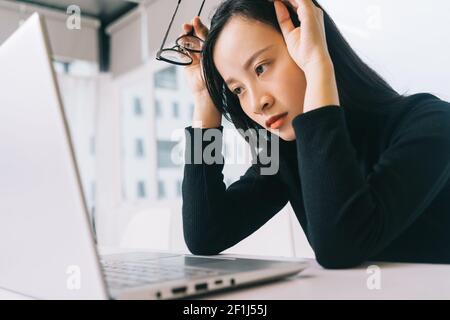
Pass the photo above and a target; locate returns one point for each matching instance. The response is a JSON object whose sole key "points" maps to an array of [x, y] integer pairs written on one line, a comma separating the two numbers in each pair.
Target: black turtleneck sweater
{"points": [[364, 185]]}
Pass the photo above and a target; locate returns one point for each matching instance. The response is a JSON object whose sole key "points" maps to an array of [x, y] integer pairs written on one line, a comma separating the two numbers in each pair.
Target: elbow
{"points": [[201, 250], [202, 243], [201, 247], [328, 261], [332, 256]]}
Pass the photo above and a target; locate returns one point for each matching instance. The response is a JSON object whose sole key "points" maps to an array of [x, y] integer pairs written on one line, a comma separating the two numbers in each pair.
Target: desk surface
{"points": [[397, 281]]}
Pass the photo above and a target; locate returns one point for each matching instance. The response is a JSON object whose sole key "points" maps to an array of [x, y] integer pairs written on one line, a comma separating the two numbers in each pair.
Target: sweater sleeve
{"points": [[352, 217], [215, 217]]}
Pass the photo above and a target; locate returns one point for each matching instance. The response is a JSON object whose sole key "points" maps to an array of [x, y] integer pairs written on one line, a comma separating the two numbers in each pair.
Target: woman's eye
{"points": [[260, 67], [236, 93]]}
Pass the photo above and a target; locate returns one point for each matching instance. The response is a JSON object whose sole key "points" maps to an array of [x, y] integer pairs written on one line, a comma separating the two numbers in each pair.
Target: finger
{"points": [[305, 9], [303, 4], [186, 27], [291, 3], [200, 28], [284, 19]]}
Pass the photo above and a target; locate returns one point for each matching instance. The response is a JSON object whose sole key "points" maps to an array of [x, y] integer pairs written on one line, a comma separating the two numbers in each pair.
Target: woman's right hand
{"points": [[193, 72], [206, 114]]}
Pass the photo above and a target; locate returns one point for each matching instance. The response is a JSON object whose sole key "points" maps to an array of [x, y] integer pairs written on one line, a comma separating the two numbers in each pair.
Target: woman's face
{"points": [[271, 84]]}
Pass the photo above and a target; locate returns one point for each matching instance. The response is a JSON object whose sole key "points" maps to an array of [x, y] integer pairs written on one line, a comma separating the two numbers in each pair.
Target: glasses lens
{"points": [[190, 43], [175, 56]]}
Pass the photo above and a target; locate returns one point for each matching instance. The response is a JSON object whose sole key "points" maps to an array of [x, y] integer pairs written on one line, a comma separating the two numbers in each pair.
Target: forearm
{"points": [[343, 216], [321, 87], [215, 217], [206, 114]]}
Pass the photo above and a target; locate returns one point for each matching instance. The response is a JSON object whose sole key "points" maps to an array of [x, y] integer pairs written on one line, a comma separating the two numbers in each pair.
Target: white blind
{"points": [[126, 53], [66, 44]]}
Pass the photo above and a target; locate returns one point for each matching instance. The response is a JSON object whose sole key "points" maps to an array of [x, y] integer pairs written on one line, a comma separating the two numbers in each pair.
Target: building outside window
{"points": [[139, 148], [161, 190], [137, 106], [141, 190]]}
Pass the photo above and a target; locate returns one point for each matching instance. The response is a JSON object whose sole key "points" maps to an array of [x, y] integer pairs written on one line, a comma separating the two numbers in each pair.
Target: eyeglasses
{"points": [[179, 54]]}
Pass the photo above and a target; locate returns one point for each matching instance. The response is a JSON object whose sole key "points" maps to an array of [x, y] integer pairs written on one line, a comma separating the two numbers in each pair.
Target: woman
{"points": [[365, 169]]}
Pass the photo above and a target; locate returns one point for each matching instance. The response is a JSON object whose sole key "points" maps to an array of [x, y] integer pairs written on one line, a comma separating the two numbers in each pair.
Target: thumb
{"points": [[284, 19]]}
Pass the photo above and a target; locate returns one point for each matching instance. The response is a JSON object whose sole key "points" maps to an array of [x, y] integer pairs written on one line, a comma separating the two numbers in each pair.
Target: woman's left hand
{"points": [[306, 44]]}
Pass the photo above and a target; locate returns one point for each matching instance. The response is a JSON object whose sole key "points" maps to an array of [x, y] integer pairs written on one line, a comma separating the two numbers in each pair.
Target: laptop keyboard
{"points": [[124, 274]]}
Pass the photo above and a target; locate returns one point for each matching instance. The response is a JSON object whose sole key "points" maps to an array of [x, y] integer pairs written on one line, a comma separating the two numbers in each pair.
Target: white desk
{"points": [[398, 281]]}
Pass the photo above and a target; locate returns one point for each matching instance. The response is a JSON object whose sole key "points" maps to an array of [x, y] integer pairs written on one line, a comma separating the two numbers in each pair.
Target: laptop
{"points": [[47, 245]]}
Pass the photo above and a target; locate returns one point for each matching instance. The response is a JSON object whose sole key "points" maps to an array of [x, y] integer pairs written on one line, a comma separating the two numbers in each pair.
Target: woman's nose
{"points": [[264, 103]]}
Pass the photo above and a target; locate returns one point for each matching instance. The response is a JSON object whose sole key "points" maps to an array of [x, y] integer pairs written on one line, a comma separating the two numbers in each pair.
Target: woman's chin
{"points": [[287, 134], [289, 137]]}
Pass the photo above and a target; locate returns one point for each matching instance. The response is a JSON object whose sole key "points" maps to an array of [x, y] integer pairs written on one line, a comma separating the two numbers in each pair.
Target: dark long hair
{"points": [[359, 86]]}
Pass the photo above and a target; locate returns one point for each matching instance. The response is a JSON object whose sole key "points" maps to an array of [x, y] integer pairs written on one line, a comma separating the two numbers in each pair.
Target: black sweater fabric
{"points": [[364, 185]]}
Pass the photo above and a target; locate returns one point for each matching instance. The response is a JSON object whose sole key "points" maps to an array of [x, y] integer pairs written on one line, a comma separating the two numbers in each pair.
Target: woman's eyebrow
{"points": [[250, 61]]}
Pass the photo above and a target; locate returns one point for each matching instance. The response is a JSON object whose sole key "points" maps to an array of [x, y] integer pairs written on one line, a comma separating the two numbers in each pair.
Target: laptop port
{"points": [[201, 286], [218, 282], [179, 290], [232, 282]]}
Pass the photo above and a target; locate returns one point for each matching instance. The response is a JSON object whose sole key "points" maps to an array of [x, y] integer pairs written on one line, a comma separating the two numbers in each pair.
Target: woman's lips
{"points": [[279, 122]]}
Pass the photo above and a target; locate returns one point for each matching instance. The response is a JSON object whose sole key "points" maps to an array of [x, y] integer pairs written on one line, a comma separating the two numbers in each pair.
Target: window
{"points": [[76, 68], [175, 109], [178, 191], [66, 67], [139, 148], [135, 141], [137, 106], [164, 153], [166, 79], [161, 190], [158, 111], [60, 67], [141, 192], [78, 84]]}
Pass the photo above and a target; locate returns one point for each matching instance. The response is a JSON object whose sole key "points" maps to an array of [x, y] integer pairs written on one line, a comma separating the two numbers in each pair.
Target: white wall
{"points": [[406, 41]]}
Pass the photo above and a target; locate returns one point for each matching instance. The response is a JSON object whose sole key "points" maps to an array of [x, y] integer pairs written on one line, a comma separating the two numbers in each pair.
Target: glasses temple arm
{"points": [[201, 7], [170, 24], [191, 33]]}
